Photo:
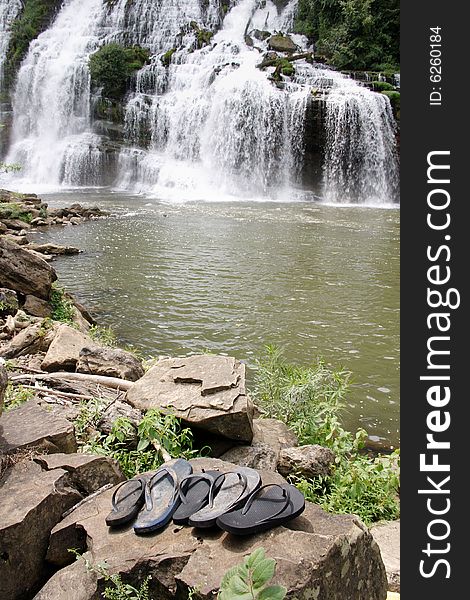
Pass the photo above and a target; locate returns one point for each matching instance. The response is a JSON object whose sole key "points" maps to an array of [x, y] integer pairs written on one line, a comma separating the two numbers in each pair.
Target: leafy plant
{"points": [[113, 64], [62, 308], [249, 580], [13, 210], [309, 400], [16, 395], [136, 449], [103, 335]]}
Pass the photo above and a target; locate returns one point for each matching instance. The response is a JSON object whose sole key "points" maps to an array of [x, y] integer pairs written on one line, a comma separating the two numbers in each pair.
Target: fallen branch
{"points": [[110, 382]]}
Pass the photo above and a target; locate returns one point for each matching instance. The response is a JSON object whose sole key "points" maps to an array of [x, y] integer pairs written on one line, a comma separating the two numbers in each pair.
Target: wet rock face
{"points": [[281, 43], [207, 392], [318, 555]]}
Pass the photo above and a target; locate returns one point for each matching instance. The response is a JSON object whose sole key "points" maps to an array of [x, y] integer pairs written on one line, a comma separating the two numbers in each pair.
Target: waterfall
{"points": [[207, 123], [9, 10]]}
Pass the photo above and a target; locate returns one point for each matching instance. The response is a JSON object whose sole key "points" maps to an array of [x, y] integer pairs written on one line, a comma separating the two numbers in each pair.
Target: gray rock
{"points": [[269, 437], [64, 351], [261, 35], [281, 43], [207, 392], [307, 461], [37, 307], [8, 302], [388, 539], [54, 249], [31, 426], [318, 555], [116, 411], [33, 497], [111, 362], [30, 340], [24, 272]]}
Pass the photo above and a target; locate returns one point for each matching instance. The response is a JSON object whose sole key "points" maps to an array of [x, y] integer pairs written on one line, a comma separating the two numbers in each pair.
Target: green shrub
{"points": [[309, 401], [16, 395], [105, 336], [33, 19], [113, 64], [394, 101], [166, 58], [155, 433], [12, 210], [62, 308], [382, 86]]}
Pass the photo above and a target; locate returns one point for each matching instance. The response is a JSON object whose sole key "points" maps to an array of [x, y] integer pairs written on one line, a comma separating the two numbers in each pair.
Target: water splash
{"points": [[9, 10]]}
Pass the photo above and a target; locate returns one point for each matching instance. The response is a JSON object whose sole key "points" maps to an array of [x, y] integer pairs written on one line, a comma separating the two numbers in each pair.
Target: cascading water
{"points": [[9, 10], [207, 122]]}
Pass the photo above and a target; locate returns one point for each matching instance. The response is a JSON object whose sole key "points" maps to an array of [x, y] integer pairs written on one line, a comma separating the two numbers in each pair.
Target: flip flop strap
{"points": [[114, 500], [241, 477], [195, 477], [153, 482], [255, 494]]}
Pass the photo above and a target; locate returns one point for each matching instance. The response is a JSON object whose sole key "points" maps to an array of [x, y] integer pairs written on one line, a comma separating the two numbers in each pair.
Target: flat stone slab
{"points": [[319, 556], [388, 538], [31, 426], [204, 391], [64, 350]]}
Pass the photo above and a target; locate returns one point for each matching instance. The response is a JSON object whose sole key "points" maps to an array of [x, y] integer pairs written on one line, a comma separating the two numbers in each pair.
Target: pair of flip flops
{"points": [[235, 501]]}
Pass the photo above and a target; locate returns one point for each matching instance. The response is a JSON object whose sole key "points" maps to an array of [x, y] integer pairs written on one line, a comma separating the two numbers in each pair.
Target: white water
{"points": [[9, 10], [211, 125]]}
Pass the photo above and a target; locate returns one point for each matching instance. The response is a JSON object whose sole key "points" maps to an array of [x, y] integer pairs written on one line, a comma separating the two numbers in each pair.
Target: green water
{"points": [[230, 277]]}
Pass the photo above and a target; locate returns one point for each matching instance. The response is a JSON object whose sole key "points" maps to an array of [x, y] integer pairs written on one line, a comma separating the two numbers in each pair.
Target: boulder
{"points": [[269, 437], [16, 224], [261, 35], [37, 307], [206, 392], [64, 351], [8, 302], [30, 340], [54, 249], [318, 555], [281, 43], [33, 497], [110, 362], [117, 410], [307, 461], [31, 426], [24, 272], [387, 537]]}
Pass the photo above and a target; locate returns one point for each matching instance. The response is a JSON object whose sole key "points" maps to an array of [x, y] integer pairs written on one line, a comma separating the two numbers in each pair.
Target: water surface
{"points": [[230, 277]]}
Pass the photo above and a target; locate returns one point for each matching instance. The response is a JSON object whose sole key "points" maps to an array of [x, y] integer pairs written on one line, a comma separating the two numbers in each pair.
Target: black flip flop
{"points": [[127, 504], [194, 494], [228, 491], [269, 506], [162, 496]]}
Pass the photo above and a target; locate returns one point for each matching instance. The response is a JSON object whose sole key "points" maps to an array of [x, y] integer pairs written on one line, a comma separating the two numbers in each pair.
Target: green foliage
{"points": [[382, 86], [12, 210], [166, 58], [113, 64], [105, 336], [394, 101], [16, 395], [62, 308], [138, 450], [33, 19], [115, 588], [309, 400], [8, 168], [356, 34], [250, 579]]}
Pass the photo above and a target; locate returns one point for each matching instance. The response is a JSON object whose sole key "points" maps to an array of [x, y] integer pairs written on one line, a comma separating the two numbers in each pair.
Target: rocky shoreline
{"points": [[54, 495]]}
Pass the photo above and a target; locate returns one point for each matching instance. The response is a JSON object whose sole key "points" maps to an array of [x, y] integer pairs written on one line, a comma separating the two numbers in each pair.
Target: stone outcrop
{"points": [[110, 362], [31, 426], [37, 307], [8, 302], [64, 351], [281, 43], [30, 340], [33, 498], [307, 461], [23, 271], [387, 537], [207, 392], [318, 555]]}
